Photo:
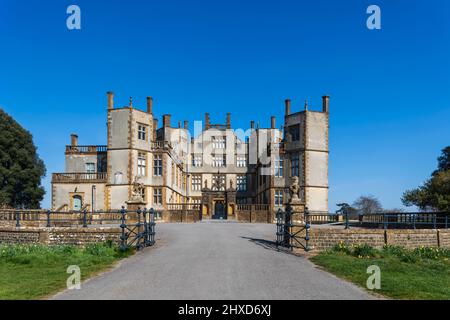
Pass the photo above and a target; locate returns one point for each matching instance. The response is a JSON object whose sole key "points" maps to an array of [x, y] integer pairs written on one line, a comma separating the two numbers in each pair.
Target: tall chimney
{"points": [[287, 103], [252, 124], [149, 105], [166, 120], [155, 127], [110, 100], [186, 124], [228, 120], [179, 124], [326, 104], [74, 140], [207, 123], [272, 122]]}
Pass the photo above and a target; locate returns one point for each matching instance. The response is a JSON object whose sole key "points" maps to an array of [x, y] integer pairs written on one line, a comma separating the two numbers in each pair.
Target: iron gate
{"points": [[138, 228], [290, 234]]}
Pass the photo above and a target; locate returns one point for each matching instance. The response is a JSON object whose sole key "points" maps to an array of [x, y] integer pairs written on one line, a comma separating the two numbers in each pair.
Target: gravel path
{"points": [[215, 260]]}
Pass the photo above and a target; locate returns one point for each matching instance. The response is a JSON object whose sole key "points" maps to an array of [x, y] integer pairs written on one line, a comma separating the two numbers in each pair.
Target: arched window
{"points": [[118, 177], [77, 203]]}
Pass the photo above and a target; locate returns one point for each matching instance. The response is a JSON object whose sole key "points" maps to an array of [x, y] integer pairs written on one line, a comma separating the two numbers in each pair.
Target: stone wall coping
{"points": [[380, 231], [62, 229]]}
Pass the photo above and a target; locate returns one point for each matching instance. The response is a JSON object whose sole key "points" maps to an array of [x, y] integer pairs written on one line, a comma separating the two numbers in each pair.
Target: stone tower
{"points": [[306, 146]]}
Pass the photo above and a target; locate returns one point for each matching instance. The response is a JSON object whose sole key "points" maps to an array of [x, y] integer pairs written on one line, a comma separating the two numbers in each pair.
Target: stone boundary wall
{"points": [[325, 238], [180, 216], [254, 216], [190, 216], [58, 236]]}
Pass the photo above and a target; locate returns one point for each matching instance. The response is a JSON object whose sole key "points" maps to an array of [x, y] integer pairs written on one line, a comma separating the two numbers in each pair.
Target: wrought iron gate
{"points": [[292, 235], [138, 228]]}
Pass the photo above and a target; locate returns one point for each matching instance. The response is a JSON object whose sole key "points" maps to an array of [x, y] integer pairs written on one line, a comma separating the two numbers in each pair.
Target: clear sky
{"points": [[389, 88]]}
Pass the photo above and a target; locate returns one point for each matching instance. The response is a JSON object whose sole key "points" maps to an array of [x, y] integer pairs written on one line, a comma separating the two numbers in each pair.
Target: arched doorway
{"points": [[219, 210], [77, 203]]}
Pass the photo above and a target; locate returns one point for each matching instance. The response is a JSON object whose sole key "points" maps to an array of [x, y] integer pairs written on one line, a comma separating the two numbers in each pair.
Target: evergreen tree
{"points": [[434, 194], [21, 169]]}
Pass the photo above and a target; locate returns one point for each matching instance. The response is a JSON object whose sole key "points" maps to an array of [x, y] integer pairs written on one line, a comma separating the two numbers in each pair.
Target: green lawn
{"points": [[36, 271], [405, 274]]}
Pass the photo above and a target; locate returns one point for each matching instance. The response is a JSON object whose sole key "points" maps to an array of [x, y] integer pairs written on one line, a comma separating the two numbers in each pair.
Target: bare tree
{"points": [[367, 205]]}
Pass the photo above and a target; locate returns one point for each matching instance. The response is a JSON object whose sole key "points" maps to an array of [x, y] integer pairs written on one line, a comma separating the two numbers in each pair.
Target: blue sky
{"points": [[389, 88]]}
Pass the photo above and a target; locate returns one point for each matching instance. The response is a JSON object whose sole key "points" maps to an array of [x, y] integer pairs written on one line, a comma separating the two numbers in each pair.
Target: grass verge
{"points": [[37, 271], [423, 273]]}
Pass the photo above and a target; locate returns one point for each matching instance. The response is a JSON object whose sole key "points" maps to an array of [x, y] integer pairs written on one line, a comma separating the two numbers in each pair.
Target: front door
{"points": [[219, 211]]}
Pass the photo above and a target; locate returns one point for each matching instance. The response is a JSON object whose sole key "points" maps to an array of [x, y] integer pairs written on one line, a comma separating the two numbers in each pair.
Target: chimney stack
{"points": [[287, 103], [166, 120], [326, 104], [179, 124], [74, 140], [272, 122], [228, 120], [149, 105], [110, 100], [186, 124], [155, 127], [252, 124], [207, 123]]}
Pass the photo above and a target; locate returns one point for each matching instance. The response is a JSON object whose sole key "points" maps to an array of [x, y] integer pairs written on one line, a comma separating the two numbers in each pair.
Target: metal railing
{"points": [[137, 230], [406, 220], [291, 234], [386, 220], [48, 219]]}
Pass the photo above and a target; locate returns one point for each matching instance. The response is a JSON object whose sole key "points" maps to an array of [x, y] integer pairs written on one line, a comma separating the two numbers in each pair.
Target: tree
{"points": [[367, 205], [21, 169], [434, 194], [346, 209], [443, 161]]}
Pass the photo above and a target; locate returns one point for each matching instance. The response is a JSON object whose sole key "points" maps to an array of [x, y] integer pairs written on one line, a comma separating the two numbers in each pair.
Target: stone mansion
{"points": [[217, 170]]}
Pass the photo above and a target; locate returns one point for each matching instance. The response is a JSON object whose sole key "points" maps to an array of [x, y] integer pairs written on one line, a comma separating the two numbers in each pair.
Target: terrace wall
{"points": [[58, 236], [326, 238]]}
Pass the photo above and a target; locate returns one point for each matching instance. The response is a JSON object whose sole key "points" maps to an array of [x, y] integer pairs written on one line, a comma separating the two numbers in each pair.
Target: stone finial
{"points": [[131, 102]]}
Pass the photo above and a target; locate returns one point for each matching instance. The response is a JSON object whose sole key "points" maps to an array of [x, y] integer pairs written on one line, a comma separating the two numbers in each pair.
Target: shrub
{"points": [[364, 251], [342, 248]]}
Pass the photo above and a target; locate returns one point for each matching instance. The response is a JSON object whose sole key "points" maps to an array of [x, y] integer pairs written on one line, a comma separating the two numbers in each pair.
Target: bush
{"points": [[403, 254], [359, 251], [364, 250], [341, 247]]}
